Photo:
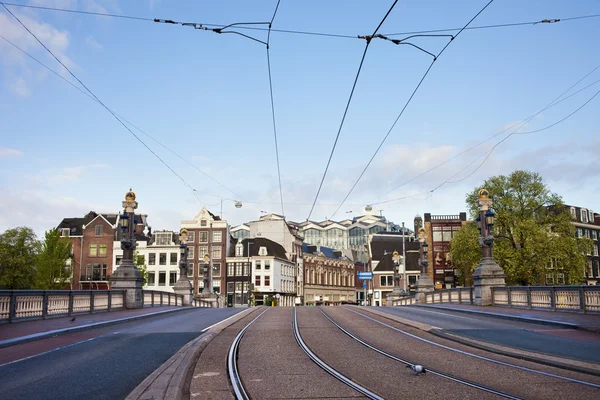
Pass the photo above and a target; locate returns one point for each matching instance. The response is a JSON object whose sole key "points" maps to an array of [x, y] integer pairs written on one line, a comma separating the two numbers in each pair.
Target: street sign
{"points": [[277, 295], [364, 284], [365, 275]]}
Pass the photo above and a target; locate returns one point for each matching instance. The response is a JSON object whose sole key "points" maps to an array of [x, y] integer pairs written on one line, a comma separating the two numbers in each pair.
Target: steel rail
{"points": [[232, 363], [342, 378], [466, 353]]}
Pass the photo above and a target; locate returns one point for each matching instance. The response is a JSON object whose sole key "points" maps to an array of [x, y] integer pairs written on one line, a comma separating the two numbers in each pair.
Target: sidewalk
{"points": [[19, 332], [588, 322]]}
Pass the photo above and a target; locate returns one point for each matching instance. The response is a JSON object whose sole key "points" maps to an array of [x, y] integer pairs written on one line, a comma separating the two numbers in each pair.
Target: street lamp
{"points": [[396, 258], [488, 274], [183, 286], [249, 270], [206, 273], [424, 284]]}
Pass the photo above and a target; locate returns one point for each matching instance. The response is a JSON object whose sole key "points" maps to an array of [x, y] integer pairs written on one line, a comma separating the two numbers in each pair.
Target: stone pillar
{"points": [[488, 273], [183, 286], [425, 283], [127, 277]]}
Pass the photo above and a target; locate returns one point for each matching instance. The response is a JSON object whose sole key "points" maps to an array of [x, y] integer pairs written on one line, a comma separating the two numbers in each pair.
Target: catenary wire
{"points": [[309, 33], [368, 41], [130, 123], [103, 105], [406, 105], [273, 106]]}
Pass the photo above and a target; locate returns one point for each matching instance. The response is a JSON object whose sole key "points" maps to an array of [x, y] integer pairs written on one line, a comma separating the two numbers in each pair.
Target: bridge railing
{"points": [[405, 301], [556, 298], [156, 298], [16, 305], [463, 295]]}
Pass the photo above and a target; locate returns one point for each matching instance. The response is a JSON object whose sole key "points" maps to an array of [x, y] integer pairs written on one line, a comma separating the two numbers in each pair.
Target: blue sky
{"points": [[206, 96]]}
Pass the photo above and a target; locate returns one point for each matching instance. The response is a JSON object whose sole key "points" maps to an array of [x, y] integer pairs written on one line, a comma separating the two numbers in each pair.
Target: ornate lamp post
{"points": [[424, 284], [183, 286], [206, 270], [487, 274], [396, 257], [127, 277]]}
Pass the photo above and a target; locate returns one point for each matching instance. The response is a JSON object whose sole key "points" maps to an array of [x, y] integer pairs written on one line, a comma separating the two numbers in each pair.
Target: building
{"points": [[92, 238], [160, 252], [208, 236], [587, 224], [439, 230], [349, 236], [329, 276], [275, 228], [360, 286], [381, 248], [272, 276], [240, 231]]}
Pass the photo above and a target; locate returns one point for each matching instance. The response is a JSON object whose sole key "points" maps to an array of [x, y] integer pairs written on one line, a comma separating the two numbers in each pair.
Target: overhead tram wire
{"points": [[308, 33], [273, 106], [102, 104], [406, 105], [368, 42], [128, 122]]}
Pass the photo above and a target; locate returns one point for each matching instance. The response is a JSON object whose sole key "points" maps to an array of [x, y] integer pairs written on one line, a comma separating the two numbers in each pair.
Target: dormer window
{"points": [[239, 250], [591, 217], [584, 216], [573, 213], [203, 222], [262, 251], [64, 232]]}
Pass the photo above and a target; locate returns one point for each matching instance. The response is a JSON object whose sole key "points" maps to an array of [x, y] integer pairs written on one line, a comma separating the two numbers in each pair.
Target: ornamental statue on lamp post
{"points": [[127, 277], [183, 286], [488, 273], [424, 284], [396, 258]]}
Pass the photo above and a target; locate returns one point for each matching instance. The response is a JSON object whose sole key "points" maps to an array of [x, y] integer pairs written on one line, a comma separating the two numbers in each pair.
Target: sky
{"points": [[202, 101]]}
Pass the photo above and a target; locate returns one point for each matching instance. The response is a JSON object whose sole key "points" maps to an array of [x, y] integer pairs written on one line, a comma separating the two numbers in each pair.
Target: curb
{"points": [[43, 335], [515, 318], [481, 345], [171, 379]]}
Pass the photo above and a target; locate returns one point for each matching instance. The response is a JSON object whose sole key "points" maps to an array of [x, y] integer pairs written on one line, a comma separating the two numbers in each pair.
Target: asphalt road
{"points": [[109, 363], [556, 341]]}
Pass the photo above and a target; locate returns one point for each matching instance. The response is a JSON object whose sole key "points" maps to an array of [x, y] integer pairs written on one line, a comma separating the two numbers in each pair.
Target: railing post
{"points": [[152, 296], [161, 298], [71, 297], [493, 296], [109, 300], [45, 305], [552, 298], [459, 296], [12, 312], [529, 297], [91, 301], [582, 298], [509, 296]]}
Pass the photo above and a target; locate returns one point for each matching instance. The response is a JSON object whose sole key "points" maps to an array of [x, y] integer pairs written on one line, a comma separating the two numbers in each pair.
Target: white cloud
{"points": [[70, 174], [20, 88], [8, 152], [90, 41]]}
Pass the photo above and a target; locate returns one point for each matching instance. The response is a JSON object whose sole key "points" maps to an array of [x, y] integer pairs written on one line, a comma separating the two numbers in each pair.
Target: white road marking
{"points": [[46, 352], [220, 322]]}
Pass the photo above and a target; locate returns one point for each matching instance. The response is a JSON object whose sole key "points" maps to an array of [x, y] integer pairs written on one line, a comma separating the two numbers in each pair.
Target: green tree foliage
{"points": [[532, 228], [465, 253], [51, 268], [140, 262], [18, 253]]}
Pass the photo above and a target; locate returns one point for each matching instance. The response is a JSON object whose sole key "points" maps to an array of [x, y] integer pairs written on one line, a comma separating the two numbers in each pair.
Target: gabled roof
{"points": [[325, 251], [387, 263], [380, 245]]}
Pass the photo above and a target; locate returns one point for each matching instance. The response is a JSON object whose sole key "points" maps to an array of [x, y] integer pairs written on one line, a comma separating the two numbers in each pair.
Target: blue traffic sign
{"points": [[365, 275], [364, 284]]}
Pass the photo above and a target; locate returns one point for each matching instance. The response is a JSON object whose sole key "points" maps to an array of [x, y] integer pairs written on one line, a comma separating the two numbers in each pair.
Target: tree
{"points": [[465, 252], [18, 253], [532, 229], [51, 270], [140, 262]]}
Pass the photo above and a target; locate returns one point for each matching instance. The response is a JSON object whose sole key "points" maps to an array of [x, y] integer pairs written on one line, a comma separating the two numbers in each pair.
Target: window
{"points": [[591, 218], [191, 237], [258, 264], [230, 269], [217, 236], [573, 213], [386, 280], [586, 233], [96, 272], [230, 287], [596, 250], [191, 253], [579, 232], [93, 250], [238, 269], [239, 250], [412, 279], [64, 232], [162, 278], [549, 279], [216, 253], [246, 266], [257, 280], [217, 286], [216, 269], [173, 259], [202, 251], [267, 265], [172, 278], [267, 280], [584, 216], [262, 251], [118, 260], [190, 271], [102, 252], [203, 222], [163, 238], [437, 234], [151, 278], [162, 259], [152, 259], [98, 230], [560, 279], [594, 235], [203, 237]]}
